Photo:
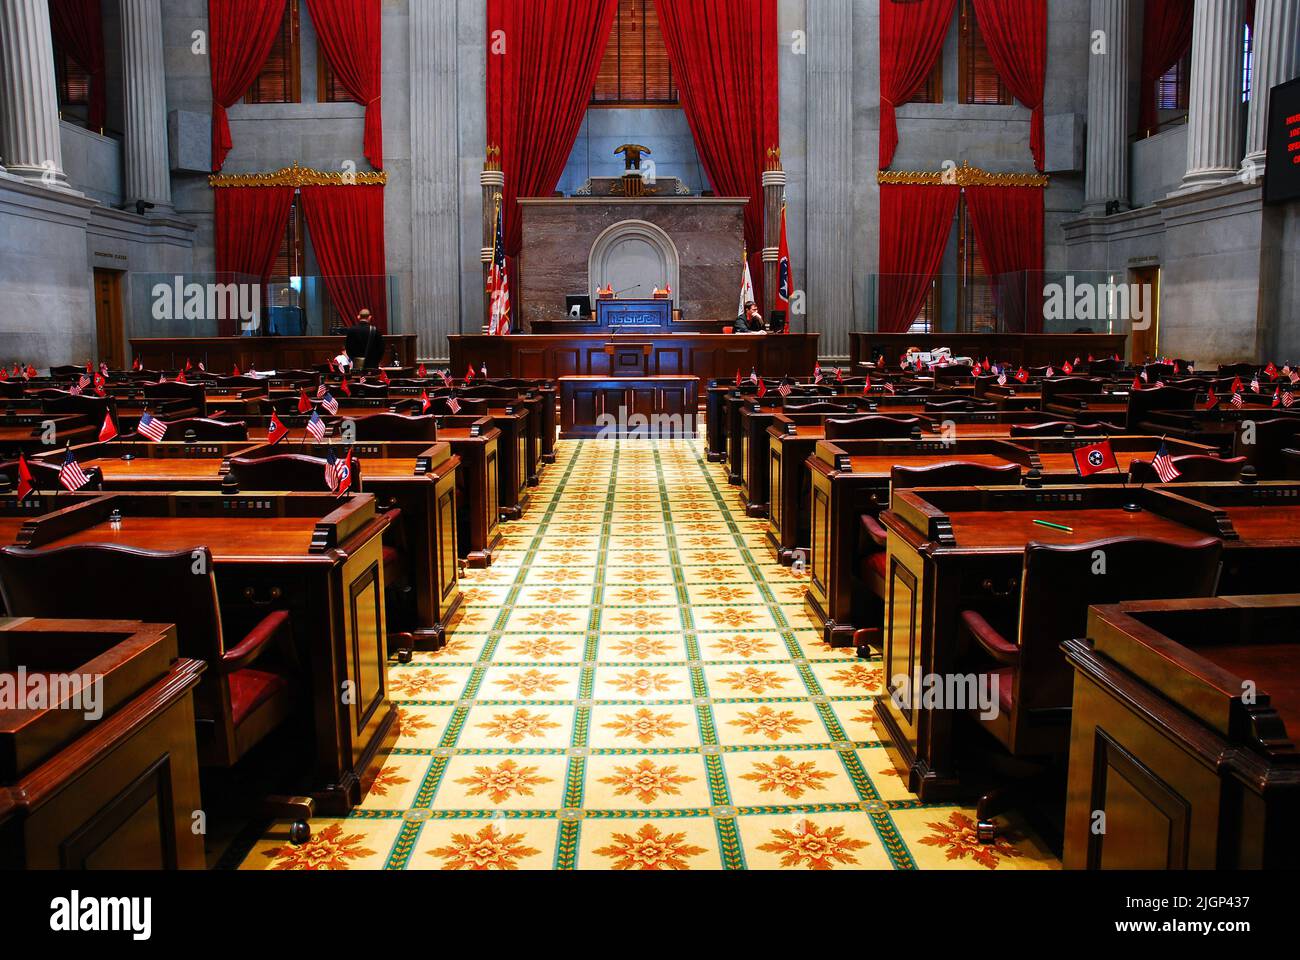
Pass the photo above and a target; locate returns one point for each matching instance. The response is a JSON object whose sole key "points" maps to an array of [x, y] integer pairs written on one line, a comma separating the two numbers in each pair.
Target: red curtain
{"points": [[911, 39], [250, 224], [1166, 38], [78, 29], [1015, 32], [351, 34], [724, 59], [915, 224], [240, 36], [346, 225], [543, 57], [1008, 224]]}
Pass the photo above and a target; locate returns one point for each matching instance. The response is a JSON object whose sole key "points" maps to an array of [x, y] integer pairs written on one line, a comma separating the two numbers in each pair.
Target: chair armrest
{"points": [[994, 644], [254, 645], [874, 531]]}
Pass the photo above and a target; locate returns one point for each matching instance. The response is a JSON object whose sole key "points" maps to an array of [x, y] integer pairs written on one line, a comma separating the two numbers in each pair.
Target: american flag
{"points": [[753, 377], [889, 388], [330, 404], [1288, 399], [343, 474], [1254, 385], [316, 427], [1146, 378], [499, 281], [1051, 372], [83, 382], [152, 427], [453, 405], [71, 476], [446, 378], [321, 391], [785, 389], [1294, 377], [1164, 465], [1002, 379], [1238, 400], [817, 373], [331, 470]]}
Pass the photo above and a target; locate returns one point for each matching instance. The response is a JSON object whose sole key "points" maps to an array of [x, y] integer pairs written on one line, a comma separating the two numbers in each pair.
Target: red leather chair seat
{"points": [[875, 564], [392, 565], [249, 689], [1006, 689]]}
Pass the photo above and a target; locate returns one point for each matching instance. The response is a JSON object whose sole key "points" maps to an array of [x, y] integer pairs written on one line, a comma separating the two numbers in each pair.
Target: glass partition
{"points": [[1050, 302], [211, 305]]}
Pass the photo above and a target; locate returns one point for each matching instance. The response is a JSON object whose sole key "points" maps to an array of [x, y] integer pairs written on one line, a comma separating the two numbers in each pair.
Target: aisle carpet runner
{"points": [[634, 685]]}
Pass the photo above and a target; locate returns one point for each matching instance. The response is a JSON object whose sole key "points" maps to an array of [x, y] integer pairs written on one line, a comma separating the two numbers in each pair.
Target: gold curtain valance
{"points": [[297, 176], [963, 176]]}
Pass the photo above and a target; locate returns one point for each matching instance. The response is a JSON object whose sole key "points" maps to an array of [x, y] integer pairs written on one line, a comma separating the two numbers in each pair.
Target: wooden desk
{"points": [[478, 444], [157, 466], [313, 555], [511, 421], [1190, 771], [112, 793], [702, 356], [28, 433], [262, 353], [417, 479], [600, 406], [1016, 349], [958, 549]]}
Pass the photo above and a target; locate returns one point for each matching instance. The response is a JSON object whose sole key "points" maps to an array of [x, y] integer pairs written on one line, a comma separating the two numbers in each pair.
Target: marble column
{"points": [[146, 168], [1108, 108], [830, 258], [30, 144], [1214, 113], [1276, 49], [435, 193], [773, 196], [494, 183]]}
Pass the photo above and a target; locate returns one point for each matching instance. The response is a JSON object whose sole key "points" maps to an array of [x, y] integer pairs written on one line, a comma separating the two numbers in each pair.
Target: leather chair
{"points": [[1104, 368], [66, 372], [844, 409], [1271, 438], [392, 426], [872, 557], [1070, 386], [93, 407], [491, 392], [1290, 464], [287, 406], [468, 407], [231, 383], [954, 372], [1142, 402], [239, 700], [1034, 682], [874, 428], [959, 406], [1161, 371], [205, 429], [1192, 469], [191, 393], [1231, 370], [365, 391], [1062, 428], [11, 389]]}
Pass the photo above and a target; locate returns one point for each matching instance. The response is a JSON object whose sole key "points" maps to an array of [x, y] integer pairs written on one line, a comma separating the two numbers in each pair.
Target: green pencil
{"points": [[1054, 526]]}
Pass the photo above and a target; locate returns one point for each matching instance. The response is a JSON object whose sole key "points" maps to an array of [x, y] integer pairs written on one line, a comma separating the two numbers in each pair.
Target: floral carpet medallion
{"points": [[634, 685]]}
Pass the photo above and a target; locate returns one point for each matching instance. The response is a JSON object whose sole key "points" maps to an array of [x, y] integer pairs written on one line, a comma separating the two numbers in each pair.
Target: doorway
{"points": [[1146, 342], [108, 318]]}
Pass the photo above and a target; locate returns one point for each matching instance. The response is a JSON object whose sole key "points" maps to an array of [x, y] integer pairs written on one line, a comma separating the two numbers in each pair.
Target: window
{"points": [[73, 82], [977, 306], [329, 89], [635, 70], [1172, 88], [932, 90], [280, 80], [927, 321], [980, 82], [290, 261], [1248, 63]]}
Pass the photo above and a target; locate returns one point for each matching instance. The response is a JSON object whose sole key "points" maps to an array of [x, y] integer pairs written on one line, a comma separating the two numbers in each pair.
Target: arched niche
{"points": [[631, 253]]}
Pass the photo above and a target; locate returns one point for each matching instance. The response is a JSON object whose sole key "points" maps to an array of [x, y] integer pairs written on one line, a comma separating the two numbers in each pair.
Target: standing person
{"points": [[364, 343]]}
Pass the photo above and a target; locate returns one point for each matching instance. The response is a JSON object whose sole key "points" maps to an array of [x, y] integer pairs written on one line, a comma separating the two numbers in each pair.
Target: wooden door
{"points": [[1146, 343], [110, 345]]}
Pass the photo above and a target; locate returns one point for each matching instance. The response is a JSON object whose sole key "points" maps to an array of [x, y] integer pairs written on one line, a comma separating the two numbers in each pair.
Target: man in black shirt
{"points": [[751, 321], [364, 343]]}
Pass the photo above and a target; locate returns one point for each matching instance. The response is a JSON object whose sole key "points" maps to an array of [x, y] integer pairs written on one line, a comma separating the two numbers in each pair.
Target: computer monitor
{"points": [[578, 307]]}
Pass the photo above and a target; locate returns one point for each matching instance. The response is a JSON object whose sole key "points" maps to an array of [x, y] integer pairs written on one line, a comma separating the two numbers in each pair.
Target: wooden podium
{"points": [[629, 359]]}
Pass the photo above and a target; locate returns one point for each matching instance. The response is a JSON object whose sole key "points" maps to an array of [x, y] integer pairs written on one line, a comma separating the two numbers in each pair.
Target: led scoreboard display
{"points": [[1282, 180]]}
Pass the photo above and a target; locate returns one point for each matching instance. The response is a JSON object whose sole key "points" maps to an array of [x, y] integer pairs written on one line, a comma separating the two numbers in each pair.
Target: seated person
{"points": [[751, 321]]}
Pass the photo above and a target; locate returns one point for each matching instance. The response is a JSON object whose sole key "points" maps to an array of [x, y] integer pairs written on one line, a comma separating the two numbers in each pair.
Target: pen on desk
{"points": [[1054, 526]]}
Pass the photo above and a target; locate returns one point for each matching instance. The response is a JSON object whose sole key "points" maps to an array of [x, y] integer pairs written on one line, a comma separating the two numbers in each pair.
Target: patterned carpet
{"points": [[634, 685]]}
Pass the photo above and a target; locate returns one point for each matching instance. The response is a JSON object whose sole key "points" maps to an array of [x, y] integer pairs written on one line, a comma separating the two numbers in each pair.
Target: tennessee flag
{"points": [[499, 282], [1097, 458], [784, 275], [25, 485], [109, 430], [277, 431]]}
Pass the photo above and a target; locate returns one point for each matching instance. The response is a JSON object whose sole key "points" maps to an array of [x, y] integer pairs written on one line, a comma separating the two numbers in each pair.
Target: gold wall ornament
{"points": [[963, 176], [297, 176], [493, 161], [774, 158]]}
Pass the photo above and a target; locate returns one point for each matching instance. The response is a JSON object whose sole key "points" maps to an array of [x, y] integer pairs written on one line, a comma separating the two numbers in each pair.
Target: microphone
{"points": [[630, 289]]}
